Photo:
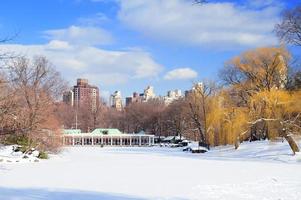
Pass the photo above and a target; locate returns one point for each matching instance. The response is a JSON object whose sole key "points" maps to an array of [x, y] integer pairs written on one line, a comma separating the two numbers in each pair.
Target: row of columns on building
{"points": [[94, 140]]}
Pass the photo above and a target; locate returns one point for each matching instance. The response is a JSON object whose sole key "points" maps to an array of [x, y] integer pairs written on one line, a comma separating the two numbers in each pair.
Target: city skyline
{"points": [[117, 100]]}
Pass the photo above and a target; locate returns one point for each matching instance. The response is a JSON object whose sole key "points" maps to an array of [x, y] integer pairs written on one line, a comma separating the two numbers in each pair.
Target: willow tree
{"points": [[225, 120], [280, 111], [257, 70], [258, 79]]}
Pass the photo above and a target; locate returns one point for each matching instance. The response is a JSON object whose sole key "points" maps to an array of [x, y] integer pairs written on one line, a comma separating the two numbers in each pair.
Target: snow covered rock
{"points": [[35, 153], [16, 153], [13, 154], [298, 156]]}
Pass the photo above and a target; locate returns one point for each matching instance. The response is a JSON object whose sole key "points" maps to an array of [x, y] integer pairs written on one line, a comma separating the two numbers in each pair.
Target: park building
{"points": [[106, 137]]}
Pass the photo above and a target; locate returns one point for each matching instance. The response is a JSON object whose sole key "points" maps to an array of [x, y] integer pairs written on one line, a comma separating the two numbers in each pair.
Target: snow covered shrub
{"points": [[22, 140], [44, 140], [43, 155], [47, 140]]}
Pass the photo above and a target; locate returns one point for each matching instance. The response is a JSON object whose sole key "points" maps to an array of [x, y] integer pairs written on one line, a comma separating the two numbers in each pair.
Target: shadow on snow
{"points": [[45, 194]]}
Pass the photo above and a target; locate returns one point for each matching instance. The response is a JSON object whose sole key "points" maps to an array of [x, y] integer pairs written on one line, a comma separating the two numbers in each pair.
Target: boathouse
{"points": [[105, 137]]}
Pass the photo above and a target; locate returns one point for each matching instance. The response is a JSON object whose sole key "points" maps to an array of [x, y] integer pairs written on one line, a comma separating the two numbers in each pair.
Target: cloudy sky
{"points": [[129, 44]]}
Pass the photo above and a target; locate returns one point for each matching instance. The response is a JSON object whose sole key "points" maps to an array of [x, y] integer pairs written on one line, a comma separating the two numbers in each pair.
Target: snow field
{"points": [[259, 170]]}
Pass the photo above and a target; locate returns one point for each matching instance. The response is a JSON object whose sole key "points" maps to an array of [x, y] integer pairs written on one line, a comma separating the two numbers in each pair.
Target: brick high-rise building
{"points": [[83, 94]]}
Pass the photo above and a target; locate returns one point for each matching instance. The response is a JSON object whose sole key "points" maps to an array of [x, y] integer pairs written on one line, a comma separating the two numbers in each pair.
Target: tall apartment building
{"points": [[83, 94], [142, 97], [172, 95], [149, 93], [136, 98], [196, 87], [116, 101], [282, 70]]}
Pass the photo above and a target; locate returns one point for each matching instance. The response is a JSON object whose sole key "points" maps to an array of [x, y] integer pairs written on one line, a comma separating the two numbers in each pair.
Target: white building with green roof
{"points": [[105, 137]]}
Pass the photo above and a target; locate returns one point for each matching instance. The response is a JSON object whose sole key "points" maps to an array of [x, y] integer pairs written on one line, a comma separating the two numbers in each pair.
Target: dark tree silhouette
{"points": [[289, 29]]}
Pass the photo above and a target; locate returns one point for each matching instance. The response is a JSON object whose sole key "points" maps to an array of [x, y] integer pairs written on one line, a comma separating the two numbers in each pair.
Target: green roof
{"points": [[98, 131], [106, 131], [72, 131]]}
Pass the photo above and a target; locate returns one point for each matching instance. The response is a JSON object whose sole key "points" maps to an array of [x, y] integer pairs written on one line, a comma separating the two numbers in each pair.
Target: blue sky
{"points": [[129, 44]]}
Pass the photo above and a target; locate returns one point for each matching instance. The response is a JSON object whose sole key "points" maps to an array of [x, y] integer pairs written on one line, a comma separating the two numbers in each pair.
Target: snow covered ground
{"points": [[261, 170]]}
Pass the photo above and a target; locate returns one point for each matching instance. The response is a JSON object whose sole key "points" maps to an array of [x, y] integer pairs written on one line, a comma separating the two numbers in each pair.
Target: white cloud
{"points": [[81, 35], [93, 20], [181, 73], [102, 67], [215, 24], [58, 45]]}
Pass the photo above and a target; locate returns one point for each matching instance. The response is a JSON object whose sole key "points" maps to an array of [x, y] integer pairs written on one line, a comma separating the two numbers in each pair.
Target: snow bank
{"points": [[266, 151], [8, 155]]}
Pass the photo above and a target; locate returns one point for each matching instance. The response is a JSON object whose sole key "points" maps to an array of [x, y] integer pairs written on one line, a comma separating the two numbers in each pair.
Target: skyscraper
{"points": [[142, 97], [135, 98], [116, 100], [149, 93], [172, 95]]}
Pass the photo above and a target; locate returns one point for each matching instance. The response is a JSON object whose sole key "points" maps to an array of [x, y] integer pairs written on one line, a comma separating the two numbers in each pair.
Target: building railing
{"points": [[105, 140]]}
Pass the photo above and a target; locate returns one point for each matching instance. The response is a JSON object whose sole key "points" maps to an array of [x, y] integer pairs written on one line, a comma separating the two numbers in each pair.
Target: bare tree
{"points": [[8, 108], [198, 103], [7, 95], [176, 117], [37, 86], [289, 30]]}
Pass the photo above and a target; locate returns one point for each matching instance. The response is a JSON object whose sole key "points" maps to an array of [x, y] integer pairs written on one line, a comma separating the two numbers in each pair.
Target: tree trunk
{"points": [[237, 143], [293, 144], [240, 138]]}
